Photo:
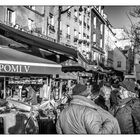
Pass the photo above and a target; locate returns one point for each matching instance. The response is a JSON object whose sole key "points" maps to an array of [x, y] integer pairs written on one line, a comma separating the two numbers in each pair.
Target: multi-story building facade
{"points": [[97, 33], [109, 44], [77, 27]]}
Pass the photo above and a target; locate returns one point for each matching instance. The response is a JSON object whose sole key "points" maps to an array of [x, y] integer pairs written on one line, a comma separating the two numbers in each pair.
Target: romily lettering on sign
{"points": [[14, 68]]}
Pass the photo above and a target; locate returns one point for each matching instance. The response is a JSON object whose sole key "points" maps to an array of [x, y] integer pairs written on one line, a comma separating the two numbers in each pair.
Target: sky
{"points": [[117, 15]]}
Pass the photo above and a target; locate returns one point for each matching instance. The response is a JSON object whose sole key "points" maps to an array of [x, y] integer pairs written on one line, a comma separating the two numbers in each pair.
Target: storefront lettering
{"points": [[14, 68], [27, 68]]}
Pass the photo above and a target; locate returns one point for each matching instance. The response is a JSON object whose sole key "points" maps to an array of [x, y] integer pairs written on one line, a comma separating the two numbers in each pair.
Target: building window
{"points": [[80, 18], [84, 20], [99, 9], [88, 11], [60, 25], [68, 32], [94, 37], [88, 24], [80, 28], [94, 22], [87, 21], [11, 16], [51, 23], [75, 15], [60, 28], [30, 24], [102, 11], [101, 28], [51, 19], [101, 43], [75, 32], [80, 36], [75, 35], [68, 29], [119, 64], [68, 12]]}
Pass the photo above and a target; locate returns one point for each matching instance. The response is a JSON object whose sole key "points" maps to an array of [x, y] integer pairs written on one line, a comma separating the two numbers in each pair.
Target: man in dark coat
{"points": [[113, 97], [83, 116], [128, 110], [99, 99]]}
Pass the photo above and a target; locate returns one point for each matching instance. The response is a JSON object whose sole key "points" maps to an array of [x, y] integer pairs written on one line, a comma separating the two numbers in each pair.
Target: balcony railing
{"points": [[51, 28], [33, 32]]}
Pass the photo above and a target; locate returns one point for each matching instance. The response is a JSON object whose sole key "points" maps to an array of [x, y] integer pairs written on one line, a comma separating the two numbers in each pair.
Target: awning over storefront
{"points": [[73, 68], [16, 62], [39, 42], [68, 76]]}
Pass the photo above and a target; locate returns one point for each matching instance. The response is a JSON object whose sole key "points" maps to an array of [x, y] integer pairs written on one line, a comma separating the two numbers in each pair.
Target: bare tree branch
{"points": [[62, 12]]}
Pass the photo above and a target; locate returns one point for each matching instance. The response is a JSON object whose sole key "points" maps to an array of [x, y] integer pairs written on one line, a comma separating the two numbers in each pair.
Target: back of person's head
{"points": [[81, 90], [115, 86]]}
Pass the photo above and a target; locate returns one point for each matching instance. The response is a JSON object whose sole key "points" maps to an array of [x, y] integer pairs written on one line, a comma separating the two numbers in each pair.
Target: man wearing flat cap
{"points": [[83, 116]]}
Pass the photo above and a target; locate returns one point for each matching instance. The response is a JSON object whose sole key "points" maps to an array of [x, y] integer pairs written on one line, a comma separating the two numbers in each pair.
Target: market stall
{"points": [[21, 73], [18, 68]]}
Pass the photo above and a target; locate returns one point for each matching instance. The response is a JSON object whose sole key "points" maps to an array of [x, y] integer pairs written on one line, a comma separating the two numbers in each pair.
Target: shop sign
{"points": [[14, 68], [25, 81]]}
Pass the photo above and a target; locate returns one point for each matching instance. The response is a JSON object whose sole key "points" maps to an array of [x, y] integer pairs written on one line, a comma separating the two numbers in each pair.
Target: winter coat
{"points": [[128, 115], [113, 97], [100, 101], [83, 116]]}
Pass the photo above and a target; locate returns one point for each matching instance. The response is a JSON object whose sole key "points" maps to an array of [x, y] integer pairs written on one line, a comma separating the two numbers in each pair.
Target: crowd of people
{"points": [[109, 107]]}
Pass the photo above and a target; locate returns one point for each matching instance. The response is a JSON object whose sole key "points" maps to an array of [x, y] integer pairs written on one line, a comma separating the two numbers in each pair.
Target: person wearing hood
{"points": [[128, 109], [83, 116]]}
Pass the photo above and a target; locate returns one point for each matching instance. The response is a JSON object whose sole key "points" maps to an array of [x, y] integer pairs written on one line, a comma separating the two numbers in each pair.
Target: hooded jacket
{"points": [[83, 116]]}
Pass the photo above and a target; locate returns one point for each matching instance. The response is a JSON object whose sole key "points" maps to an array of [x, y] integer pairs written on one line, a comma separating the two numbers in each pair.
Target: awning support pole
{"points": [[4, 87], [60, 93]]}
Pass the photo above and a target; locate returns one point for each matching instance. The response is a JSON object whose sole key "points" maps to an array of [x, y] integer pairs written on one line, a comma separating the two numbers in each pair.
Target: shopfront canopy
{"points": [[67, 76], [39, 42], [16, 62]]}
